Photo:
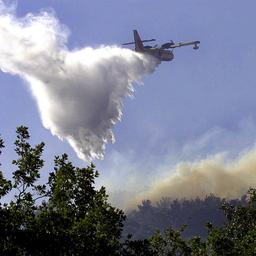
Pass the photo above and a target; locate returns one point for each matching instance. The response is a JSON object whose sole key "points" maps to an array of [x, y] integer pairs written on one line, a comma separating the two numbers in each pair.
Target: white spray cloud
{"points": [[79, 93]]}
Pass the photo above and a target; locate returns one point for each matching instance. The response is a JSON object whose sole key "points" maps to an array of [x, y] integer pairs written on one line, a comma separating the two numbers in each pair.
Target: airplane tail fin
{"points": [[138, 43]]}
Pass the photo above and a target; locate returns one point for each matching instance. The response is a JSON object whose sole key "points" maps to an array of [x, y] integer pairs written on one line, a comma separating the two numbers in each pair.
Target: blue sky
{"points": [[201, 103]]}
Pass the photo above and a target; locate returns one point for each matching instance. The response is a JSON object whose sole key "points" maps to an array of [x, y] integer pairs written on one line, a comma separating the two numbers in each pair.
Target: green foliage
{"points": [[143, 221], [69, 216], [5, 185], [26, 175], [170, 243], [72, 217], [136, 248], [1, 145], [238, 236]]}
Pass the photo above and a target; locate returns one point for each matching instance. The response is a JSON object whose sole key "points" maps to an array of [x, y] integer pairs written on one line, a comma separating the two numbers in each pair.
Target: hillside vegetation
{"points": [[69, 216]]}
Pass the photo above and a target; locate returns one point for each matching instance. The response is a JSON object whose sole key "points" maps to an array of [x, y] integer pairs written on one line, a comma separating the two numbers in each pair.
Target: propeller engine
{"points": [[167, 45], [196, 47]]}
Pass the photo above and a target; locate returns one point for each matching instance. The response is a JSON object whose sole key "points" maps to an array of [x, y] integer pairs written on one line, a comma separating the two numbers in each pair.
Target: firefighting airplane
{"points": [[161, 52]]}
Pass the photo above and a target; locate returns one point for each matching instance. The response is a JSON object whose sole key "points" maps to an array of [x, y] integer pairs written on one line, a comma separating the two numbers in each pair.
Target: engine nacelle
{"points": [[196, 47], [167, 45]]}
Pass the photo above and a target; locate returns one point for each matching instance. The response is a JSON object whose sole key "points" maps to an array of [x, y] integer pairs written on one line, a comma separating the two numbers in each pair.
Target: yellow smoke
{"points": [[216, 175]]}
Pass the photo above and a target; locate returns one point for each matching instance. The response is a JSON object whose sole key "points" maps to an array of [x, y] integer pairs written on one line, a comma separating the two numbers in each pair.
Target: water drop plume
{"points": [[79, 92]]}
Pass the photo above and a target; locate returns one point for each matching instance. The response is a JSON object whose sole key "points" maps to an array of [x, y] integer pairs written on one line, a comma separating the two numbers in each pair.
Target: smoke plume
{"points": [[79, 93], [213, 175]]}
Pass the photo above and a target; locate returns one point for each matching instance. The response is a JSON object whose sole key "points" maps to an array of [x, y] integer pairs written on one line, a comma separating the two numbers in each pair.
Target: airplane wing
{"points": [[143, 41], [195, 43]]}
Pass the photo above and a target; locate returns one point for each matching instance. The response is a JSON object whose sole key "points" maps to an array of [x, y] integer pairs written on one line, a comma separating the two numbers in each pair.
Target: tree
{"points": [[167, 212], [5, 185], [238, 236], [69, 216], [66, 216]]}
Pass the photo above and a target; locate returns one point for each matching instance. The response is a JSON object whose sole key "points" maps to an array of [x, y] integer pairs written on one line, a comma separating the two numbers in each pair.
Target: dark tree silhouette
{"points": [[66, 216], [69, 216], [194, 213]]}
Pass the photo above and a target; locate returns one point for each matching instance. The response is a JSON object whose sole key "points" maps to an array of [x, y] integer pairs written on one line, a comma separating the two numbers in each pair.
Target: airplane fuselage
{"points": [[161, 54]]}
